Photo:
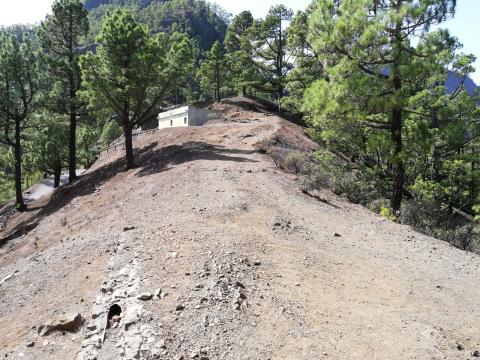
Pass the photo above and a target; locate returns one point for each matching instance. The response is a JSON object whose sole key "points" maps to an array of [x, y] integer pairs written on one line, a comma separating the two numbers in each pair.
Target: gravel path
{"points": [[35, 192], [213, 253]]}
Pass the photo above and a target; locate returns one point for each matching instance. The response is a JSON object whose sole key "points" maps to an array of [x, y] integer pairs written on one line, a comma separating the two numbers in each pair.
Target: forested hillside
{"points": [[92, 4], [197, 18]]}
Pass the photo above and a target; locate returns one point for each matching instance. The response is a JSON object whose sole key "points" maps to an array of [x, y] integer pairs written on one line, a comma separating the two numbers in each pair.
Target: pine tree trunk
{"points": [[473, 187], [280, 95], [57, 173], [20, 204], [398, 168], [280, 69], [127, 130], [72, 153], [436, 151], [217, 82], [72, 150]]}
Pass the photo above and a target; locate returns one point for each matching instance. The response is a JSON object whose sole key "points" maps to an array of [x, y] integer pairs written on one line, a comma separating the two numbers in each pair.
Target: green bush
{"points": [[466, 237], [452, 227], [317, 178], [278, 154], [376, 205], [296, 162], [359, 186]]}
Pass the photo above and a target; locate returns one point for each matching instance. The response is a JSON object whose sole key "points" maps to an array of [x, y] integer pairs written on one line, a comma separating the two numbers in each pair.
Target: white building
{"points": [[184, 116]]}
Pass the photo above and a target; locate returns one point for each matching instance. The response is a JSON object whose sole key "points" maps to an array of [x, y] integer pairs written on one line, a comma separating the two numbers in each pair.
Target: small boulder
{"points": [[240, 298], [145, 296], [238, 284], [70, 323]]}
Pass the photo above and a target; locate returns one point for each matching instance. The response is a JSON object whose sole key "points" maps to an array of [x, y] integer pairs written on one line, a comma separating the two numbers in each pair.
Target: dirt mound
{"points": [[208, 251], [240, 103]]}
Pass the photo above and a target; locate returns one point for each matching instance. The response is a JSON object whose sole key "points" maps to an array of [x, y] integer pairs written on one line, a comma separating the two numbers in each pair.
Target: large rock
{"points": [[71, 323], [133, 314]]}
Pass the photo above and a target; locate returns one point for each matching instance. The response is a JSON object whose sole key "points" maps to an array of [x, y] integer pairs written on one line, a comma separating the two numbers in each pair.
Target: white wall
{"points": [[185, 116], [173, 118]]}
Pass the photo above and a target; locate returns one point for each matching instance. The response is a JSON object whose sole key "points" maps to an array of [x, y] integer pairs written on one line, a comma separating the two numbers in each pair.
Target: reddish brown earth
{"points": [[250, 266]]}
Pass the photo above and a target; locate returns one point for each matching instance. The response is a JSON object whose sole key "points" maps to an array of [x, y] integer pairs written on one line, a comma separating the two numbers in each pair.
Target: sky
{"points": [[465, 25]]}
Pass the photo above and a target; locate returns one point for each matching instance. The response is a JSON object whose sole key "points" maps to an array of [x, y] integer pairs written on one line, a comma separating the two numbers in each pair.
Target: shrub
{"points": [[317, 178], [296, 162], [359, 186], [466, 237], [376, 205], [422, 214], [441, 224], [278, 154], [387, 214], [111, 131]]}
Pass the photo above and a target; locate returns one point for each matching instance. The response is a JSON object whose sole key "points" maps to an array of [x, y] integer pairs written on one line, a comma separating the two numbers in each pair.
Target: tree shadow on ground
{"points": [[158, 160], [150, 160]]}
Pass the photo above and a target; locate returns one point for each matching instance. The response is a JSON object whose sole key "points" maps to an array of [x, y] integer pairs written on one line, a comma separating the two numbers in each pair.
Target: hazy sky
{"points": [[465, 26]]}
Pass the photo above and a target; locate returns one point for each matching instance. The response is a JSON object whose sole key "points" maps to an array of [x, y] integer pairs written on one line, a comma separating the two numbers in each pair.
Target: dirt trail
{"points": [[240, 263]]}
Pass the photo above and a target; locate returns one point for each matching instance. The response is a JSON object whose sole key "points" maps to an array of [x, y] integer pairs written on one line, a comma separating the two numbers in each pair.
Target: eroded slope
{"points": [[247, 266]]}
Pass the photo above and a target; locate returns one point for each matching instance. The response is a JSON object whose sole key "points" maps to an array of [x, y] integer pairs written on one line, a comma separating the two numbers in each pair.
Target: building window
{"points": [[185, 120], [171, 122]]}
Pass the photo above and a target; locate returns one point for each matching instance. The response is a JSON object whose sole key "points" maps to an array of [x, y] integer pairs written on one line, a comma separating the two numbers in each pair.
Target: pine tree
{"points": [[237, 59], [237, 29], [213, 71], [374, 68], [268, 51], [60, 35], [132, 72], [46, 145], [20, 74], [308, 67], [442, 130]]}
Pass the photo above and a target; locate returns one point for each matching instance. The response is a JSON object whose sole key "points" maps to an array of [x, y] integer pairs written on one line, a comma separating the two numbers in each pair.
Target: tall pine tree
{"points": [[237, 59], [269, 53], [374, 67], [213, 70], [132, 72], [20, 75], [60, 35]]}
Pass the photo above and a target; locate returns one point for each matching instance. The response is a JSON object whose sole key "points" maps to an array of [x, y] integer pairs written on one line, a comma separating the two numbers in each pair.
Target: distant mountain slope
{"points": [[91, 4], [454, 81], [197, 18]]}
